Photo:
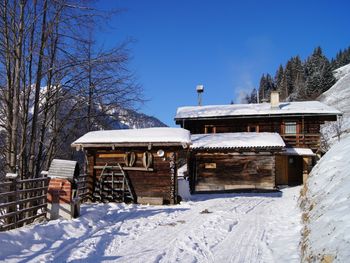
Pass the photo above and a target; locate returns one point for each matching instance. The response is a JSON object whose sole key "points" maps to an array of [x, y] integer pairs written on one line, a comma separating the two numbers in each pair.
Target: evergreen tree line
{"points": [[301, 80]]}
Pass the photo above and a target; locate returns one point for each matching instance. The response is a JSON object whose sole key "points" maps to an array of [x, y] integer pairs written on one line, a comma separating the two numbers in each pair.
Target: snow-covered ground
{"points": [[327, 206], [252, 227], [327, 201]]}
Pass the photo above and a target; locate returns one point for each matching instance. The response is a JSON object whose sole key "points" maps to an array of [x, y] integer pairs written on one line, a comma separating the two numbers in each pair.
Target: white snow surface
{"points": [[338, 96], [250, 227], [147, 135], [329, 196], [299, 107], [183, 183], [341, 72], [299, 151], [237, 140]]}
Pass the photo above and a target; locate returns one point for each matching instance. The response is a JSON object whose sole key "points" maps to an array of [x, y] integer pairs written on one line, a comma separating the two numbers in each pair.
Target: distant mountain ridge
{"points": [[131, 119]]}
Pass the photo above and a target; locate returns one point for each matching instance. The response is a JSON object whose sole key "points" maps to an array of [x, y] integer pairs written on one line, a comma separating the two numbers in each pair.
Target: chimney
{"points": [[200, 90], [275, 99]]}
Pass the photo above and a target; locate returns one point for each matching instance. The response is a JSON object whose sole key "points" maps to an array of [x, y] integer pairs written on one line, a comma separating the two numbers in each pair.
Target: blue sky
{"points": [[224, 45]]}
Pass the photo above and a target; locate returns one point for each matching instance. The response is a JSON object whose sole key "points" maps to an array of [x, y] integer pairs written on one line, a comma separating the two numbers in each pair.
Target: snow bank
{"points": [[237, 140], [300, 107], [147, 135], [328, 206]]}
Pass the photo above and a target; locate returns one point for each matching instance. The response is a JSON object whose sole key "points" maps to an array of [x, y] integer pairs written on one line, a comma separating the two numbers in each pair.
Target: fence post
{"points": [[12, 198]]}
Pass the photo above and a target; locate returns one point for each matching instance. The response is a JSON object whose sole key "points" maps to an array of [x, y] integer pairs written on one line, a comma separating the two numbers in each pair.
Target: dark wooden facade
{"points": [[159, 181], [287, 170], [307, 127], [226, 170]]}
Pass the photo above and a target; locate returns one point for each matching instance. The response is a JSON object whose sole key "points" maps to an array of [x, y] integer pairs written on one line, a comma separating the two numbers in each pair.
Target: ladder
{"points": [[113, 185]]}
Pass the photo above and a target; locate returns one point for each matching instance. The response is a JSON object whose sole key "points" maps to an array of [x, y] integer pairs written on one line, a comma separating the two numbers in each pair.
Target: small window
{"points": [[290, 128], [209, 129]]}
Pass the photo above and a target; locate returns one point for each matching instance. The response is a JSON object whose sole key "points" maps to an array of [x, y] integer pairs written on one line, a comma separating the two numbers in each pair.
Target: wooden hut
{"points": [[138, 165], [232, 161]]}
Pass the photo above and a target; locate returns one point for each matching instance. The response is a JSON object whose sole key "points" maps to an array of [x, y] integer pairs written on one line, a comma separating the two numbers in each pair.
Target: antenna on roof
{"points": [[200, 90]]}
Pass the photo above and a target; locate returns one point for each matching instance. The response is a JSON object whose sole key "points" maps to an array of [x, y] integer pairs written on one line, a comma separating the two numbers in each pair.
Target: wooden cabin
{"points": [[137, 165], [298, 123], [232, 161]]}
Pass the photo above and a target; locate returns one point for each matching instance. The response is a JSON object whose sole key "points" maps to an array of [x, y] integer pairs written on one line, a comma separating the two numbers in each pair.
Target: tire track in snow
{"points": [[243, 244], [158, 241]]}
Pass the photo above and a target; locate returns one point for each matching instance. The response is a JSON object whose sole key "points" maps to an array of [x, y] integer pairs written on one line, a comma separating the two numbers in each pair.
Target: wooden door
{"points": [[281, 170]]}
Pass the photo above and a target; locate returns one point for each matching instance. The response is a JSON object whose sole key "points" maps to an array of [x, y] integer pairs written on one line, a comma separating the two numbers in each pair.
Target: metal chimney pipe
{"points": [[200, 90]]}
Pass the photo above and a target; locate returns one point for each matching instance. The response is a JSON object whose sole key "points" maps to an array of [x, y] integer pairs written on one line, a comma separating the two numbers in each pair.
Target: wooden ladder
{"points": [[114, 185]]}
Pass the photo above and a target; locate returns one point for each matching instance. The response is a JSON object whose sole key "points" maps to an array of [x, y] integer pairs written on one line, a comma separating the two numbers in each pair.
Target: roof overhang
{"points": [[298, 152], [227, 117], [149, 145]]}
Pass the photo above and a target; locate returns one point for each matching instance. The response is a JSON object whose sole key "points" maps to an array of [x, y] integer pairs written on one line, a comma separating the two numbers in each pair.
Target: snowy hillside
{"points": [[327, 200], [327, 206], [129, 119], [338, 96]]}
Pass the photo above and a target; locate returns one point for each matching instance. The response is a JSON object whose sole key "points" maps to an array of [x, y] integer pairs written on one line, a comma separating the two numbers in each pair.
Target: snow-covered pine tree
{"points": [[252, 97], [265, 87], [317, 74], [278, 82]]}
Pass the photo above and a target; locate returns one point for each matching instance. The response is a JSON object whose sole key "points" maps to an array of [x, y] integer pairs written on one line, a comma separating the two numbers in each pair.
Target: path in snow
{"points": [[238, 228]]}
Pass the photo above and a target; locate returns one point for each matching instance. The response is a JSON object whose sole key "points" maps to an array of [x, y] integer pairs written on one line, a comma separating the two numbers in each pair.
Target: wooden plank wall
{"points": [[223, 171], [308, 128], [161, 182]]}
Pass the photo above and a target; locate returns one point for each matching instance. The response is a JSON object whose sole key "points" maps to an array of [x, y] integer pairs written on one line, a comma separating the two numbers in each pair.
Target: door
{"points": [[295, 170], [281, 170]]}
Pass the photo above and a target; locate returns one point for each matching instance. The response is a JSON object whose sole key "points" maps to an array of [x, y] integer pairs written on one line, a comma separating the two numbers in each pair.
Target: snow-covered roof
{"points": [[299, 151], [237, 140], [145, 136], [284, 108]]}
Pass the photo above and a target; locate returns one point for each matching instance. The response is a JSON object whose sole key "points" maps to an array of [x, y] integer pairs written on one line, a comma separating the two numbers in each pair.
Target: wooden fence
{"points": [[81, 182], [22, 201]]}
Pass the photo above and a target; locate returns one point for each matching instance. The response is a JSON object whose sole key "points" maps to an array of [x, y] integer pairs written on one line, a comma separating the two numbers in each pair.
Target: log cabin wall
{"points": [[158, 182], [307, 127], [224, 171]]}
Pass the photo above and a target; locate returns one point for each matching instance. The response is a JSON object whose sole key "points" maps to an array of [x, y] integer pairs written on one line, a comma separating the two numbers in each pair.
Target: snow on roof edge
{"points": [[227, 110], [162, 135], [237, 140]]}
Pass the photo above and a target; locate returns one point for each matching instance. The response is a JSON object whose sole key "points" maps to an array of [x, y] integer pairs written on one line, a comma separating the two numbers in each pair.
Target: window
{"points": [[290, 128], [209, 129]]}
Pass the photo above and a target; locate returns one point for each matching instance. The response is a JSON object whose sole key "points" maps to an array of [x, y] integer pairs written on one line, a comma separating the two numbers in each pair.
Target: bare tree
{"points": [[53, 90]]}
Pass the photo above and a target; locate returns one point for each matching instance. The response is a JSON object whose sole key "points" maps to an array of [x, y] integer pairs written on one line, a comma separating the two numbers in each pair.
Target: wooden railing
{"points": [[302, 140], [22, 201]]}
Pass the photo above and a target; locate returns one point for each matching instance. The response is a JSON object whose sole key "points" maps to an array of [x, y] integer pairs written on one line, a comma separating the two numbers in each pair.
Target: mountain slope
{"points": [[327, 205], [326, 199], [130, 119], [338, 96]]}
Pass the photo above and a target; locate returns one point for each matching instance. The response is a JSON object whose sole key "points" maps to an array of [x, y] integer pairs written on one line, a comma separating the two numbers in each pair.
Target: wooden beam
{"points": [[97, 167]]}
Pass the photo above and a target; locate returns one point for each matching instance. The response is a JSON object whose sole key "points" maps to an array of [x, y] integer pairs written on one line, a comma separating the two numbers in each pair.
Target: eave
{"points": [[227, 117]]}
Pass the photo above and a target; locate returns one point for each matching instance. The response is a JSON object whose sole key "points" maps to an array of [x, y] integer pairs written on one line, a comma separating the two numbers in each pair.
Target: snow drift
{"points": [[327, 206], [326, 200]]}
